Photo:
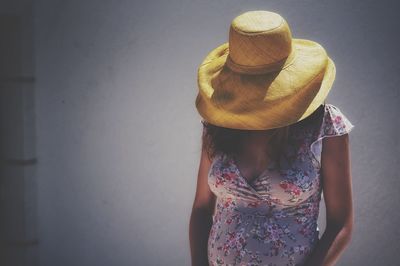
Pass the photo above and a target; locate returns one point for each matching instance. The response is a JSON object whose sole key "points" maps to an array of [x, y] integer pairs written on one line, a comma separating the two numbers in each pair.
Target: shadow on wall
{"points": [[18, 238]]}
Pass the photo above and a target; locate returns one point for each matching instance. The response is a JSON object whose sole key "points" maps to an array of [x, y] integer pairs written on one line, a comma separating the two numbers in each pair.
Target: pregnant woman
{"points": [[271, 149]]}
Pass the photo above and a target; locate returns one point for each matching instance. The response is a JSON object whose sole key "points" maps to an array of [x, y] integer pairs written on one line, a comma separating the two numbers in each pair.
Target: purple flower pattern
{"points": [[272, 220]]}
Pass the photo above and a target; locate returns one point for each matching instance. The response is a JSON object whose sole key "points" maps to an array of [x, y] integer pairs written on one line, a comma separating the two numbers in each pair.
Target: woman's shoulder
{"points": [[335, 122]]}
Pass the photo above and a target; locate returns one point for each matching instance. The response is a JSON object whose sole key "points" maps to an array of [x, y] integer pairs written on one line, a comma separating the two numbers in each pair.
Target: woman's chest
{"points": [[288, 186]]}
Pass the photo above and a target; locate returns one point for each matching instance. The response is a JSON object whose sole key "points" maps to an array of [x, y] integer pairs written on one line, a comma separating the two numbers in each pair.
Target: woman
{"points": [[271, 146]]}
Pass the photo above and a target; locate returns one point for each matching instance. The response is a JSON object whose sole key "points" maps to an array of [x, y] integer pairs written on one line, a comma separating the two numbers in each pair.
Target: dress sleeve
{"points": [[334, 123]]}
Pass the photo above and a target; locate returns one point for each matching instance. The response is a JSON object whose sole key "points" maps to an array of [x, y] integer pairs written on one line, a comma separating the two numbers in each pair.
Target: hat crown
{"points": [[259, 39]]}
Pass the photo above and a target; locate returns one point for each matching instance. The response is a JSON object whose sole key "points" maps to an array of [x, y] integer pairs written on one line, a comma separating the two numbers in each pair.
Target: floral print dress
{"points": [[272, 220]]}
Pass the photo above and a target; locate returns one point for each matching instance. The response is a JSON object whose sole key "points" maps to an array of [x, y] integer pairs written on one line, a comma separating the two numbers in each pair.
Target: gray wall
{"points": [[118, 136], [18, 182]]}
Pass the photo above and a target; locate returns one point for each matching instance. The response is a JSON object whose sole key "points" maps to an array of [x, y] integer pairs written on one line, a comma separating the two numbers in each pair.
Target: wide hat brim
{"points": [[264, 101]]}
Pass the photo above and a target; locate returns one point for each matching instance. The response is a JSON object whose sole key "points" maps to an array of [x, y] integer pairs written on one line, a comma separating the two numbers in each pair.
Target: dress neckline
{"points": [[247, 182]]}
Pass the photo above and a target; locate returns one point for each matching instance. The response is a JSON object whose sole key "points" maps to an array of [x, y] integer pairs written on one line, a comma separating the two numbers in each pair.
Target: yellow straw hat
{"points": [[262, 78]]}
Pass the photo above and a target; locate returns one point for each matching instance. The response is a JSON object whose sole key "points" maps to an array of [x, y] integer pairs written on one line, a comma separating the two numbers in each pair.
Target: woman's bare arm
{"points": [[337, 189], [201, 216]]}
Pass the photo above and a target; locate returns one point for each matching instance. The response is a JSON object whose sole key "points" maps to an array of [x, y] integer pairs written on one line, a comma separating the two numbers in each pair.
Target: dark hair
{"points": [[230, 141]]}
